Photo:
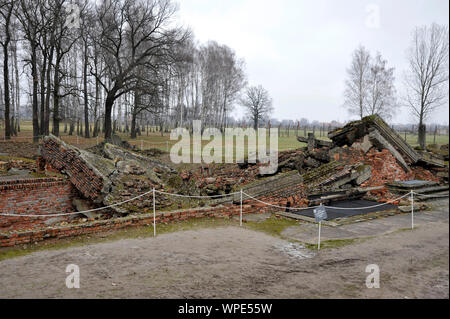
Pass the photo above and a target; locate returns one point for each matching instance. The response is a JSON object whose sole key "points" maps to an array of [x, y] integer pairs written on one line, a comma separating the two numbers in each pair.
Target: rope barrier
{"points": [[276, 206], [82, 212], [367, 207], [329, 207], [118, 204], [215, 196]]}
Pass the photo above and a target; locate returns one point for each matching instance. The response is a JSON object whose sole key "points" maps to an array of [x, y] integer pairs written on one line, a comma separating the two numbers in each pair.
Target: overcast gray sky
{"points": [[299, 50]]}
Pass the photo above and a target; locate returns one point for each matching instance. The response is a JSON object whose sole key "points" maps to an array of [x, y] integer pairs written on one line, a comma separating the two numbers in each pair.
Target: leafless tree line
{"points": [[111, 65], [369, 88], [427, 77]]}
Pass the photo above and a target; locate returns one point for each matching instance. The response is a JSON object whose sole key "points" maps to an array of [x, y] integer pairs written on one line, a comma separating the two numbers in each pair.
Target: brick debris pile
{"points": [[91, 181], [18, 164], [376, 155], [109, 176]]}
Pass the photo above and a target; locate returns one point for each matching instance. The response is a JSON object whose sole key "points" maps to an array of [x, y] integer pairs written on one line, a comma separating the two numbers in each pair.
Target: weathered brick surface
{"points": [[64, 158], [385, 168], [33, 197]]}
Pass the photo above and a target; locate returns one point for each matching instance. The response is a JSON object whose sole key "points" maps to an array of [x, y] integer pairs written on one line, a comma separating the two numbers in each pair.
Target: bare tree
{"points": [[132, 33], [30, 19], [15, 64], [257, 103], [381, 93], [6, 13], [357, 82], [128, 62], [427, 76], [65, 41]]}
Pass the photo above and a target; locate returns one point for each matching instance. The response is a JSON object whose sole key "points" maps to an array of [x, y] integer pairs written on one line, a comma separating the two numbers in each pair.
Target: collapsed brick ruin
{"points": [[109, 175], [359, 161], [86, 171]]}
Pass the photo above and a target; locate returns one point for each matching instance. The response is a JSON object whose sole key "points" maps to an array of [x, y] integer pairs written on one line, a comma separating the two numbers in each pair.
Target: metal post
{"points": [[142, 145], [154, 214], [96, 138], [412, 210], [167, 146], [318, 246], [77, 139], [240, 215]]}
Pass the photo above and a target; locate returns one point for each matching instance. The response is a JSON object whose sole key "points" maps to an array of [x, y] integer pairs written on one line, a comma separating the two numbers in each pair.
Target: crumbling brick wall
{"points": [[64, 158], [40, 196]]}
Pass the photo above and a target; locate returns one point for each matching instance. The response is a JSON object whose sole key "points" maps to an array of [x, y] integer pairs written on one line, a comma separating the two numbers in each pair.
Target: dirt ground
{"points": [[233, 262], [19, 149]]}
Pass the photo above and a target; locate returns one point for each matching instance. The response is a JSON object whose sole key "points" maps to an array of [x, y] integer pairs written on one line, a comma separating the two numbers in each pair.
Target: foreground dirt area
{"points": [[233, 262]]}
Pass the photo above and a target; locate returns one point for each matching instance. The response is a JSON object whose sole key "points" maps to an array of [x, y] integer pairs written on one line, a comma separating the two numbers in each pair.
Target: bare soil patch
{"points": [[233, 262], [19, 149]]}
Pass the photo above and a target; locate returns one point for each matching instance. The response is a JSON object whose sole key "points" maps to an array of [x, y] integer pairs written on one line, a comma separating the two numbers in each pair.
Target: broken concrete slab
{"points": [[377, 139], [417, 207], [313, 142], [365, 145], [336, 195], [411, 184], [306, 218], [320, 155], [19, 172], [356, 130], [311, 162], [364, 173], [429, 159]]}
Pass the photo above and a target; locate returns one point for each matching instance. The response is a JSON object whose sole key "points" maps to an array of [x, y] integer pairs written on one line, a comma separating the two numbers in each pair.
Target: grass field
{"points": [[286, 141]]}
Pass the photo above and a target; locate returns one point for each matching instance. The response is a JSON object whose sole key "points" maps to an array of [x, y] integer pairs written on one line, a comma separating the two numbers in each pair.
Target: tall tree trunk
{"points": [[422, 134], [134, 113], [16, 67], [42, 93], [6, 88], [97, 91], [46, 128], [5, 45], [109, 102], [85, 90], [34, 75], [56, 86]]}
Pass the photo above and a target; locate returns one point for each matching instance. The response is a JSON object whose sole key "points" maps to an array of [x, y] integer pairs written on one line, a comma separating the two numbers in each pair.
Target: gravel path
{"points": [[233, 262]]}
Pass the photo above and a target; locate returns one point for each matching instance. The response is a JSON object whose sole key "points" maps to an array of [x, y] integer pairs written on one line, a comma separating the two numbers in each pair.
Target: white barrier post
{"points": [[154, 214], [240, 215], [412, 210], [318, 244]]}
